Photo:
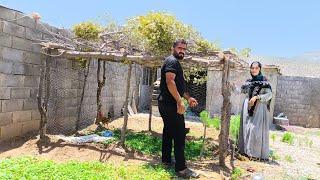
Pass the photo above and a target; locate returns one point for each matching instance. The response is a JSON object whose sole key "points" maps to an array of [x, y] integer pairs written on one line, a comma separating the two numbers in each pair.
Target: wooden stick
{"points": [[125, 123]]}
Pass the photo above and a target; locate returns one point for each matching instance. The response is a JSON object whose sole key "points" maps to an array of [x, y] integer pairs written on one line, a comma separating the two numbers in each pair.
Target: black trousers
{"points": [[173, 130]]}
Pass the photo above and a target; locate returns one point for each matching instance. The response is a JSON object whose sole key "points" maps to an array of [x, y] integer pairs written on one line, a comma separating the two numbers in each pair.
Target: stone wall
{"points": [[299, 99]]}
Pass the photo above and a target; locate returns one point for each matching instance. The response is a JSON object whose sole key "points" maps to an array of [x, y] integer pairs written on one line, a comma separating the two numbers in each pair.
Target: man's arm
{"points": [[186, 96], [174, 91], [172, 86]]}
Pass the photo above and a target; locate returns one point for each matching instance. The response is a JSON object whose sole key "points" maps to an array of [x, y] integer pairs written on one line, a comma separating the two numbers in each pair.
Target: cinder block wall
{"points": [[299, 99], [20, 68]]}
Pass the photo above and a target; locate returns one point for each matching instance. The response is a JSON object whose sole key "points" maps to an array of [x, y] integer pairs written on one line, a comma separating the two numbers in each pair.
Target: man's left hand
{"points": [[192, 102]]}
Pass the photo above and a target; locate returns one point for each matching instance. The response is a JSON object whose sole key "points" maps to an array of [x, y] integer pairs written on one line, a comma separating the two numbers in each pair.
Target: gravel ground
{"points": [[301, 160]]}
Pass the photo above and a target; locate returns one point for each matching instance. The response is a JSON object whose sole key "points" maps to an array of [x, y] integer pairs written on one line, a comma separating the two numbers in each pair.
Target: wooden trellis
{"points": [[224, 62]]}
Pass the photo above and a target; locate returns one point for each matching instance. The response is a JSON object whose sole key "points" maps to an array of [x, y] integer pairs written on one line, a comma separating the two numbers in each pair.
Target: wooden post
{"points": [[101, 83], [225, 112], [203, 141], [151, 97], [43, 106], [125, 123]]}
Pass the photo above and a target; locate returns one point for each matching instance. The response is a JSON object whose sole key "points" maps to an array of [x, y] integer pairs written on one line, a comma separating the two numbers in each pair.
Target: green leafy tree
{"points": [[87, 30]]}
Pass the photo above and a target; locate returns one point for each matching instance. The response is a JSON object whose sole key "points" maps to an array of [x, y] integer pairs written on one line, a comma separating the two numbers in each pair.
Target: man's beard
{"points": [[179, 56]]}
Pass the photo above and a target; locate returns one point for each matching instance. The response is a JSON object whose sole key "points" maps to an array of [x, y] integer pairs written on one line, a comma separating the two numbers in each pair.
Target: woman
{"points": [[254, 125]]}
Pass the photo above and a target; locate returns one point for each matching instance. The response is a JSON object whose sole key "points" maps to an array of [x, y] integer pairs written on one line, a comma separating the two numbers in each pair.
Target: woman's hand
{"points": [[253, 100]]}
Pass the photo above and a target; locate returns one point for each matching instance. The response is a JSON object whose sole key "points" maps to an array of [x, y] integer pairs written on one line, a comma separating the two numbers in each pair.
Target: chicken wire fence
{"points": [[63, 85], [199, 92], [72, 90]]}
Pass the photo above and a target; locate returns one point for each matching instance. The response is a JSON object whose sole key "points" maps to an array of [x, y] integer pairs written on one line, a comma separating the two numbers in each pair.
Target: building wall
{"points": [[20, 69], [299, 99]]}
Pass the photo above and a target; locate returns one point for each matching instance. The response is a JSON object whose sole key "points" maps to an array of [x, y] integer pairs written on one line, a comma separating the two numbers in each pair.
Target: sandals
{"points": [[188, 173]]}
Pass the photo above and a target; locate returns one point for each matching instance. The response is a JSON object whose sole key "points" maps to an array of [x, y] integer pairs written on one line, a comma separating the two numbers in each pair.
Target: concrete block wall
{"points": [[19, 73], [20, 68], [299, 99]]}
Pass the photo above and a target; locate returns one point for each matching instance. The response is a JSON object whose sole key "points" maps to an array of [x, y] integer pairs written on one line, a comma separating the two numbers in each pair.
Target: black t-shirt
{"points": [[171, 64]]}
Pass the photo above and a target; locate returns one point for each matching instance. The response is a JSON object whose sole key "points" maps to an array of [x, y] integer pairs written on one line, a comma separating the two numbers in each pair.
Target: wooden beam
{"points": [[147, 61]]}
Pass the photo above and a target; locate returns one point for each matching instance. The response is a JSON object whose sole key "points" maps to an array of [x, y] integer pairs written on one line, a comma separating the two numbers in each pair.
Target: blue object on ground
{"points": [[106, 133]]}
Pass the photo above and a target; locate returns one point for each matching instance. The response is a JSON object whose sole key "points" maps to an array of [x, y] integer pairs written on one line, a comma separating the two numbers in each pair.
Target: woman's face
{"points": [[255, 69]]}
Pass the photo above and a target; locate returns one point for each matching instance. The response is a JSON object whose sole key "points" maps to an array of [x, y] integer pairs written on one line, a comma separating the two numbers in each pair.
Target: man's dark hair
{"points": [[179, 41]]}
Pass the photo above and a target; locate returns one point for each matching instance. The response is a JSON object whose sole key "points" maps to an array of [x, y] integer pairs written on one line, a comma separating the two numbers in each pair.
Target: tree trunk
{"points": [[135, 94], [232, 145], [43, 106], [101, 84], [225, 113], [151, 93], [125, 123], [86, 73]]}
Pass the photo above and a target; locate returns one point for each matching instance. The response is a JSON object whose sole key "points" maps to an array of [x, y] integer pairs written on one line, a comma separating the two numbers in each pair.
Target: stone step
{"points": [[154, 102], [155, 110], [156, 91], [155, 96]]}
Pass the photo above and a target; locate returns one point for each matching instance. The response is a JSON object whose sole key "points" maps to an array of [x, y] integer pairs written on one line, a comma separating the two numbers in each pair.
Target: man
{"points": [[171, 108]]}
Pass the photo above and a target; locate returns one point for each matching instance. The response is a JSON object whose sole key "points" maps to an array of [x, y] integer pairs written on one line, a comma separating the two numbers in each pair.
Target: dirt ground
{"points": [[60, 151]]}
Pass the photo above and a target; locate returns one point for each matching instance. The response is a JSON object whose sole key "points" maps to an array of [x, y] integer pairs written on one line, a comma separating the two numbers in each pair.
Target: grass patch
{"points": [[309, 177], [289, 158], [305, 142], [234, 126], [151, 145], [214, 123], [32, 168], [273, 137], [288, 138], [310, 143], [236, 173], [274, 155]]}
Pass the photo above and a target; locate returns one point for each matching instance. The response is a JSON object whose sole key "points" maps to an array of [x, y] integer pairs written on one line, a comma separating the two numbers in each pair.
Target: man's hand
{"points": [[192, 102], [180, 107], [252, 101]]}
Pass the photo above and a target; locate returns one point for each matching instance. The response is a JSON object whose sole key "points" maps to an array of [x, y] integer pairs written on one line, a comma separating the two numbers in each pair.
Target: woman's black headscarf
{"points": [[254, 86]]}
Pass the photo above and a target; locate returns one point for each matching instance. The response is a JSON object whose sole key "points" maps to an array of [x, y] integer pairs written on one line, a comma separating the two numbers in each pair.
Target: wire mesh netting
{"points": [[199, 92], [66, 81], [71, 89]]}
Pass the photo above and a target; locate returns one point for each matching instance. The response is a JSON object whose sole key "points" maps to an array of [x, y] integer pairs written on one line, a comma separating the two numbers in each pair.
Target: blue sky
{"points": [[269, 27]]}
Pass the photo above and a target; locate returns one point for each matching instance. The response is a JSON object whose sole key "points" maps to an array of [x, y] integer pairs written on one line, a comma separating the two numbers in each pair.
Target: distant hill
{"points": [[305, 65]]}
